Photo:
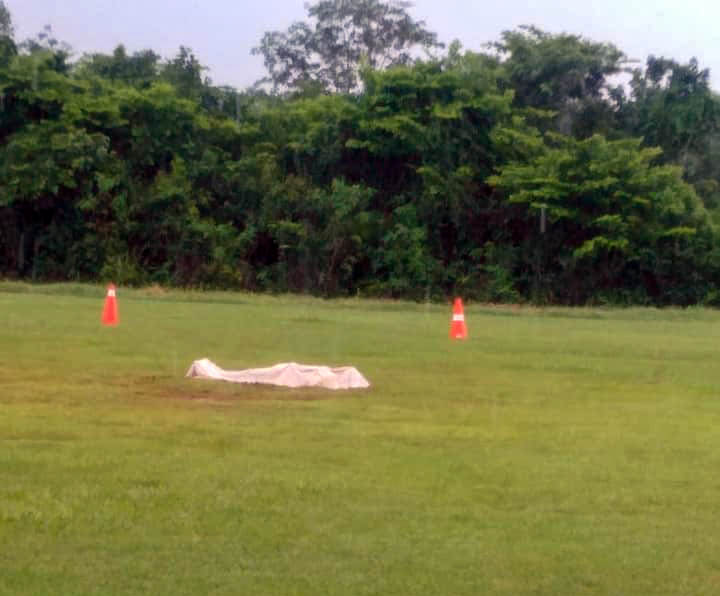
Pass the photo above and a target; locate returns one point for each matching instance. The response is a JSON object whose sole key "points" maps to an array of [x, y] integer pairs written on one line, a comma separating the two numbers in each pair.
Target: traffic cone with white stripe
{"points": [[110, 311], [458, 328]]}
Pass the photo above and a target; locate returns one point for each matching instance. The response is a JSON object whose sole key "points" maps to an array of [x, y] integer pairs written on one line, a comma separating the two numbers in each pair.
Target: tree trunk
{"points": [[21, 254]]}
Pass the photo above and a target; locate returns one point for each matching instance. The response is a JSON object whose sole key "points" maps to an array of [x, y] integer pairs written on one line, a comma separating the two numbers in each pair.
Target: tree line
{"points": [[372, 160]]}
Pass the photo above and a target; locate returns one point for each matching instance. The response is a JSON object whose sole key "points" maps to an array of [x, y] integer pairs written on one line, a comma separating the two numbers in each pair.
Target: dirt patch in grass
{"points": [[153, 387]]}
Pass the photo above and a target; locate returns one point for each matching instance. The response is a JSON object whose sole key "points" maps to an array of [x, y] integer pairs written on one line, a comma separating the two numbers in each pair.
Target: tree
{"points": [[428, 137], [7, 45], [328, 51], [139, 69], [185, 73], [437, 180], [563, 73], [45, 42], [674, 108], [6, 26], [615, 222]]}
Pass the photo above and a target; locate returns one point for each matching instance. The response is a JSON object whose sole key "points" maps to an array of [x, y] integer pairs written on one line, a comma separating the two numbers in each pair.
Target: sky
{"points": [[222, 32]]}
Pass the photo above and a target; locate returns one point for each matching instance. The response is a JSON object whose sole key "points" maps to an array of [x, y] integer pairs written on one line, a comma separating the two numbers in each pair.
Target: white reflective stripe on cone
{"points": [[111, 293], [458, 317]]}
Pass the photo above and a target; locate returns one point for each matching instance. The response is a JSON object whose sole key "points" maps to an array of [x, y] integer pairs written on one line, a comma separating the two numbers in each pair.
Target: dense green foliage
{"points": [[522, 173]]}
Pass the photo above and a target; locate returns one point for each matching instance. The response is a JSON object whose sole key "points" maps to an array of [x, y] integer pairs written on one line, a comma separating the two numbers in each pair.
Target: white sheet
{"points": [[285, 374]]}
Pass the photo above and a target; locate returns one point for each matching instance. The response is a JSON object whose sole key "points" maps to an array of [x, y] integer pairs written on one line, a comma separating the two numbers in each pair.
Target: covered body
{"points": [[285, 374]]}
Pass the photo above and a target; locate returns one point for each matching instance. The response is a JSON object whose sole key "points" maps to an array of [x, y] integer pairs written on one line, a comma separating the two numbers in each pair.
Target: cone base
{"points": [[459, 332]]}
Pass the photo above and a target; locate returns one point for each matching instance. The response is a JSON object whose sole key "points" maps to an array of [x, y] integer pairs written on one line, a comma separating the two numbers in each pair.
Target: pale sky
{"points": [[222, 32]]}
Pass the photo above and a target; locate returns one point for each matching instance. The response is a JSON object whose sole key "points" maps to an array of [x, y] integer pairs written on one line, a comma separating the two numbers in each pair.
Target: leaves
{"points": [[605, 202], [482, 174], [340, 39]]}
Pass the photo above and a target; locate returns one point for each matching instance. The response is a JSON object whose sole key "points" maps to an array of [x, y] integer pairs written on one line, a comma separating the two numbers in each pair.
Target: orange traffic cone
{"points": [[458, 329], [110, 311]]}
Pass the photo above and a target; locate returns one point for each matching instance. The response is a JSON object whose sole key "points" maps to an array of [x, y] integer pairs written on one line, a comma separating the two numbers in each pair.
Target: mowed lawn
{"points": [[554, 452]]}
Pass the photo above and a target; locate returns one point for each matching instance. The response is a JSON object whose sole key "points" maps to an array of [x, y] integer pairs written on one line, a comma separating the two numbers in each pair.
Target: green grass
{"points": [[555, 452]]}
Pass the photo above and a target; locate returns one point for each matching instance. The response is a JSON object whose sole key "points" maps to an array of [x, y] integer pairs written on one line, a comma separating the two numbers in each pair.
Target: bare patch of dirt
{"points": [[217, 393]]}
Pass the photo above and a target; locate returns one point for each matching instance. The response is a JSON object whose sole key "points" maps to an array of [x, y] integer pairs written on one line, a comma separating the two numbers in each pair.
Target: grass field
{"points": [[554, 452]]}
